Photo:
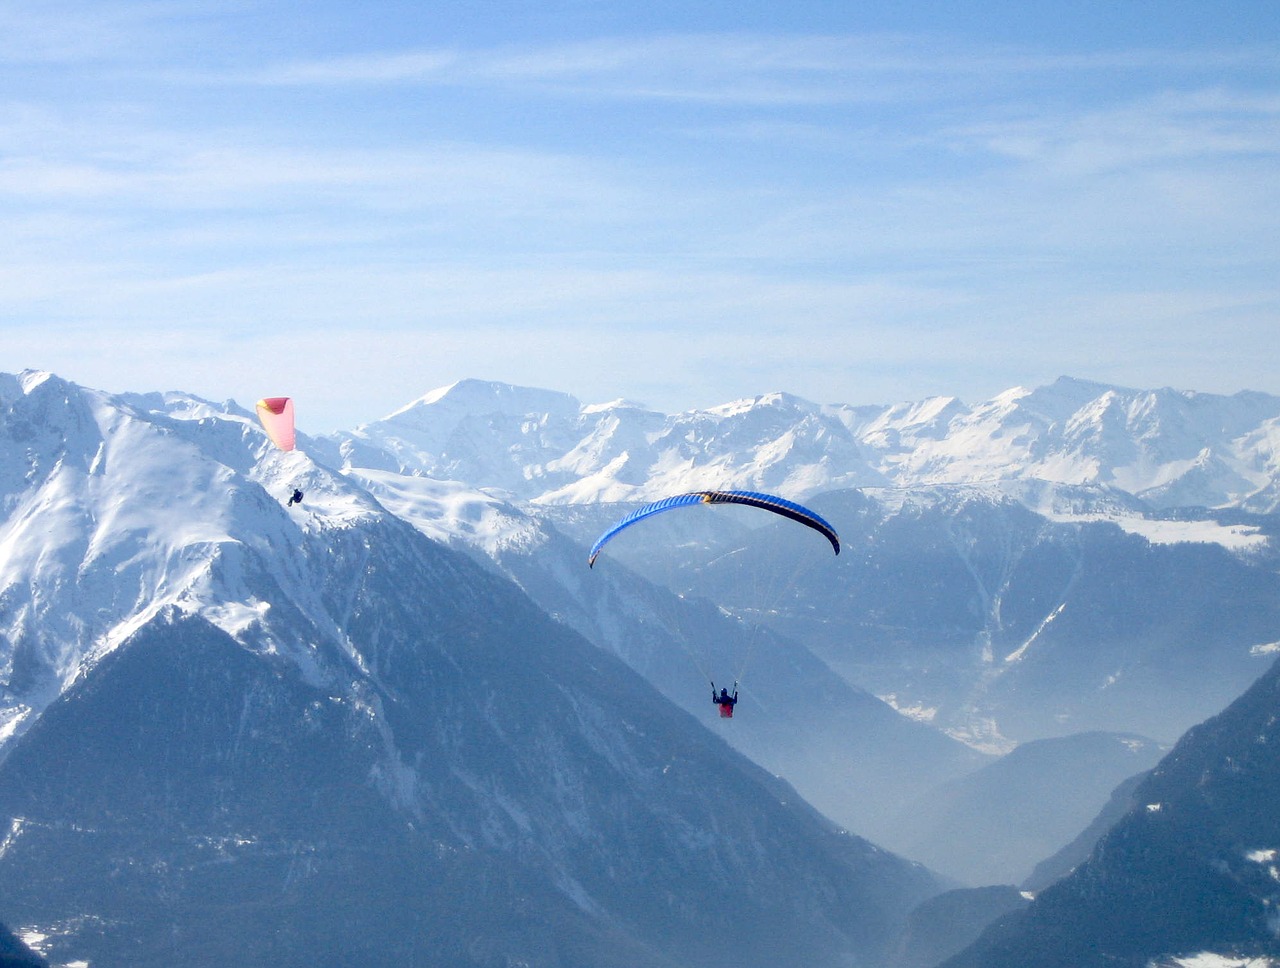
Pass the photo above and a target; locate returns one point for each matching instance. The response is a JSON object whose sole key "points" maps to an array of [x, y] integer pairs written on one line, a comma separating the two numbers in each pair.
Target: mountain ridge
{"points": [[1165, 447]]}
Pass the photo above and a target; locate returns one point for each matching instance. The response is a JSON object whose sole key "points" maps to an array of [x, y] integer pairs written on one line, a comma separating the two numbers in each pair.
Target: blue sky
{"points": [[681, 204]]}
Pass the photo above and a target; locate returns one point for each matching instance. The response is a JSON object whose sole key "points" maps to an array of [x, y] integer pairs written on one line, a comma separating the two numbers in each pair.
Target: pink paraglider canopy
{"points": [[276, 414]]}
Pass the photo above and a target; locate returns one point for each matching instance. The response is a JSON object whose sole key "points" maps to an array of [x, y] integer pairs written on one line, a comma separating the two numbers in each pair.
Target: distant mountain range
{"points": [[1162, 448]]}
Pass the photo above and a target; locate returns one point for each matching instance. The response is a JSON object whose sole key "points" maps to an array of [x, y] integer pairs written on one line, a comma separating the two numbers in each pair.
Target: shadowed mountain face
{"points": [[1062, 862], [1191, 869]]}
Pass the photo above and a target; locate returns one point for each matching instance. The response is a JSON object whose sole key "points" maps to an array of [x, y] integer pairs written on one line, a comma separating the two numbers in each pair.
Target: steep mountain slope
{"points": [[244, 733], [1190, 870], [1061, 863], [116, 508], [193, 802]]}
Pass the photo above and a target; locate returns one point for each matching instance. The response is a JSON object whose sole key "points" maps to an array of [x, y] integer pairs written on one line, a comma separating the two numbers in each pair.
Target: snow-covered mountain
{"points": [[1167, 448], [116, 508], [241, 732]]}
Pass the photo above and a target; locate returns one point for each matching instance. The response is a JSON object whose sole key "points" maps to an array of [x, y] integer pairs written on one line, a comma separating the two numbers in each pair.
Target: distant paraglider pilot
{"points": [[276, 416], [725, 701]]}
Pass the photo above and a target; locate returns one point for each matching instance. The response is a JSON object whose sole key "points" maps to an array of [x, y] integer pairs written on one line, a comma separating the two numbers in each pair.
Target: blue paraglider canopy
{"points": [[766, 502]]}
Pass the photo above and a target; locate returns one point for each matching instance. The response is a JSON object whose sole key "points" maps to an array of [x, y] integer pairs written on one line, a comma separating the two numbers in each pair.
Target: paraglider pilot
{"points": [[295, 498], [725, 701]]}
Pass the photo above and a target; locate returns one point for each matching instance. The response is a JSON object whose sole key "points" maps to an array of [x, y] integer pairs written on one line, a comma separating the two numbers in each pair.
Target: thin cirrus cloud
{"points": [[1167, 127], [743, 68]]}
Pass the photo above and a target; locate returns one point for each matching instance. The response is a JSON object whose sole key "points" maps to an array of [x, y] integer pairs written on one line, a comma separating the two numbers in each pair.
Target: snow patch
{"points": [[917, 711], [30, 379], [1234, 537], [1266, 857], [235, 618], [620, 404], [1017, 654], [39, 937], [447, 511], [15, 828], [984, 736], [11, 720], [1268, 648]]}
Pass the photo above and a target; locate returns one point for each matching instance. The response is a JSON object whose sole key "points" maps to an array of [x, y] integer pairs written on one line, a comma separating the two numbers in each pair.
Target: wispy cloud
{"points": [[747, 68], [1166, 128], [129, 162], [69, 32], [384, 68]]}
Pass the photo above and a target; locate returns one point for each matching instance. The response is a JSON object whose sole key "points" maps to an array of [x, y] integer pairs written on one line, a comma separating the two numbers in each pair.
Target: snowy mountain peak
{"points": [[903, 423], [619, 404], [30, 379], [776, 400], [481, 397]]}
